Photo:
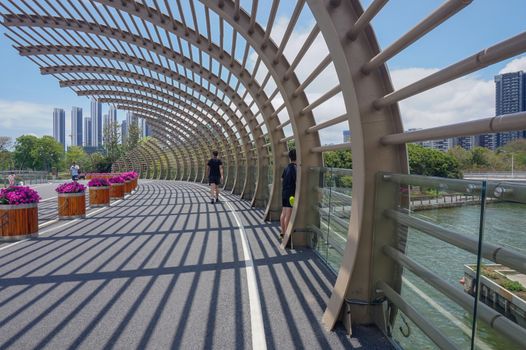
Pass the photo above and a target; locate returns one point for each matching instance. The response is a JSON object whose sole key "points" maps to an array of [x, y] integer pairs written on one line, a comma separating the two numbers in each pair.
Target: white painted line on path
{"points": [[259, 341]]}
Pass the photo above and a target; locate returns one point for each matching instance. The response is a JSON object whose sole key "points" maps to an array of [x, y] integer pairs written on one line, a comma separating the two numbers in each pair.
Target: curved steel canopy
{"points": [[212, 74]]}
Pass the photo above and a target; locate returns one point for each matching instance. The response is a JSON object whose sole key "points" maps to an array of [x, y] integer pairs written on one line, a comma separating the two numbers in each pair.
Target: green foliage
{"points": [[36, 153], [6, 157], [431, 162], [338, 159], [345, 181], [134, 135], [78, 155], [22, 153], [513, 286], [480, 157], [462, 155], [111, 141], [99, 163], [47, 154]]}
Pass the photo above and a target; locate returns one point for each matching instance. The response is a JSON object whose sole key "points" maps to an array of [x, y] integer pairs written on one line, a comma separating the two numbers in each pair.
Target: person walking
{"points": [[288, 181], [74, 171], [215, 176], [11, 178]]}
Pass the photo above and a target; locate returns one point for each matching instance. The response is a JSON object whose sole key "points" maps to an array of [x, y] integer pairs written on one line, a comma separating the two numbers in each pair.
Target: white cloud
{"points": [[463, 99], [21, 117], [515, 65]]}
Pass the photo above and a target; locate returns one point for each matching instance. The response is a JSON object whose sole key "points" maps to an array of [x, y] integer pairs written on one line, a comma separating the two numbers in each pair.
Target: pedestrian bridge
{"points": [[166, 269], [253, 79]]}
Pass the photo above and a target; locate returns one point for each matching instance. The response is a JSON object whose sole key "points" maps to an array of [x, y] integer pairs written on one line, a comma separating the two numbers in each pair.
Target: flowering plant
{"points": [[16, 195], [98, 182], [129, 175], [117, 180], [71, 187]]}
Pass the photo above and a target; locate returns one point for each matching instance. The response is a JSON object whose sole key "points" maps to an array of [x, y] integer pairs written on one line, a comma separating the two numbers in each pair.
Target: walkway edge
{"points": [[256, 316]]}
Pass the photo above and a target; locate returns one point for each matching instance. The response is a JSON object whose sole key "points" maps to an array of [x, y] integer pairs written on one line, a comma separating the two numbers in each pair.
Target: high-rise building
{"points": [[96, 122], [487, 141], [346, 136], [112, 113], [124, 131], [88, 132], [144, 127], [76, 126], [132, 118], [147, 129], [466, 142], [510, 97], [59, 126]]}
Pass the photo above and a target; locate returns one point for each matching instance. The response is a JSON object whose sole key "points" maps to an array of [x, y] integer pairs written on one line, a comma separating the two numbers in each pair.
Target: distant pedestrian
{"points": [[74, 171], [215, 176], [288, 181], [11, 178]]}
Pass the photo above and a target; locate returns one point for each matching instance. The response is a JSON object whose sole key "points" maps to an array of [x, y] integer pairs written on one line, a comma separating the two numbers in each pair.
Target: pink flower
{"points": [[71, 187], [16, 195], [117, 180], [98, 182]]}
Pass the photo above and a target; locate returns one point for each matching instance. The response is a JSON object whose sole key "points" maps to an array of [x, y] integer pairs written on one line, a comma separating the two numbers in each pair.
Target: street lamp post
{"points": [[512, 164]]}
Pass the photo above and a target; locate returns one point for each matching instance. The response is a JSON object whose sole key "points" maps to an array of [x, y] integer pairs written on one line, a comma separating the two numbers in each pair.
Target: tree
{"points": [[76, 154], [6, 157], [111, 141], [432, 162], [22, 153], [338, 159], [463, 156], [47, 153], [480, 157], [134, 135]]}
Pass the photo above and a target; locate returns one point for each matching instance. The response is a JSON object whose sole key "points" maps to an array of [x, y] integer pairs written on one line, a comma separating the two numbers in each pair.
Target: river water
{"points": [[504, 224]]}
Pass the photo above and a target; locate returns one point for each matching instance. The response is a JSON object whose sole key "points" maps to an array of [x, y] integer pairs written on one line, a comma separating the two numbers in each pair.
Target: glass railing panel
{"points": [[318, 200], [502, 285], [330, 208], [433, 229], [408, 208], [339, 215]]}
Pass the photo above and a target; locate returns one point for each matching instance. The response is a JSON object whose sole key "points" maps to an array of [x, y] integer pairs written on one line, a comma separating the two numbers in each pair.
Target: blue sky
{"points": [[27, 98]]}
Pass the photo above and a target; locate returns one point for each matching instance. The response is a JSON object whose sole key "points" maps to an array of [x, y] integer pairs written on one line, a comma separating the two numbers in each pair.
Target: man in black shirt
{"points": [[215, 176], [288, 180]]}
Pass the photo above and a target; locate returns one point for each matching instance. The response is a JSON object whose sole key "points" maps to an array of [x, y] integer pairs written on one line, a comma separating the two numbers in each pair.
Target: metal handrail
{"points": [[493, 318], [494, 252], [510, 191], [427, 327]]}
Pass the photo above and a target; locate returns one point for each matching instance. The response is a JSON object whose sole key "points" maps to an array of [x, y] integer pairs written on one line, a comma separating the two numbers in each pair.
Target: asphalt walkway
{"points": [[166, 269]]}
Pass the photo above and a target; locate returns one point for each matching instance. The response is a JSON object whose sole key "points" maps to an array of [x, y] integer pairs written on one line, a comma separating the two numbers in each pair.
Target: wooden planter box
{"points": [[99, 196], [71, 205], [117, 191], [135, 183], [128, 187], [18, 221]]}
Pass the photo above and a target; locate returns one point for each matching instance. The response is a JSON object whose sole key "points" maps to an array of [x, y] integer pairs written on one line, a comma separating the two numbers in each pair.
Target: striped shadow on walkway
{"points": [[166, 269]]}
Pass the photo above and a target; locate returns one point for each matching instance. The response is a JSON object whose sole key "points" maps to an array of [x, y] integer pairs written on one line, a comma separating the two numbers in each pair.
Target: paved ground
{"points": [[165, 269]]}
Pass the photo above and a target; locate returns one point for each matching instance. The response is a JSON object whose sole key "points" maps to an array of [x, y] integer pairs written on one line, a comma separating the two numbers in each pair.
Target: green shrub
{"points": [[513, 286]]}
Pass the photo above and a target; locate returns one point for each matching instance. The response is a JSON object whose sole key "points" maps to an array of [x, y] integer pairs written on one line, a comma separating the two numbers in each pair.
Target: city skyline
{"points": [[77, 130], [442, 105], [59, 126]]}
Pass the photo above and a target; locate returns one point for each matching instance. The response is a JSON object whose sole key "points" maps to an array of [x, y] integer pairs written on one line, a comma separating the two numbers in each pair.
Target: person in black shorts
{"points": [[288, 180], [215, 176]]}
